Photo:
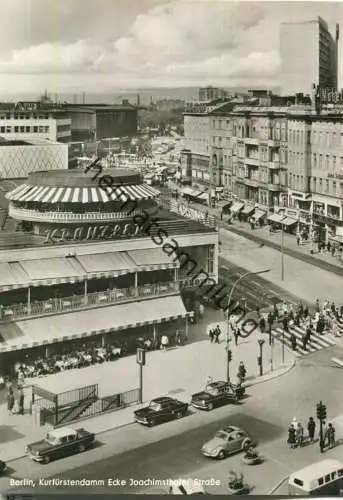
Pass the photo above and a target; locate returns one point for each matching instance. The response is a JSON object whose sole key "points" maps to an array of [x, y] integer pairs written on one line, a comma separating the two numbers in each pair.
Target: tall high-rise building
{"points": [[309, 55]]}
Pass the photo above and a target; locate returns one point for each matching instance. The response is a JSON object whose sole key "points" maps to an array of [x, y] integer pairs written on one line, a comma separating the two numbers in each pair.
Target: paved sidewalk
{"points": [[184, 371]]}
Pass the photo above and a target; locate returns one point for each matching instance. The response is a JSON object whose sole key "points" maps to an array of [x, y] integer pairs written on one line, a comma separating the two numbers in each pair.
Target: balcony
{"points": [[251, 182], [253, 141], [326, 218], [274, 186], [252, 161], [68, 217], [90, 300], [274, 165]]}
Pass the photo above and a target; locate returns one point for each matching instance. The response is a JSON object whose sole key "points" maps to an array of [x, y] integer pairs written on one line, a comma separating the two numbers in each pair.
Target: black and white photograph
{"points": [[171, 248]]}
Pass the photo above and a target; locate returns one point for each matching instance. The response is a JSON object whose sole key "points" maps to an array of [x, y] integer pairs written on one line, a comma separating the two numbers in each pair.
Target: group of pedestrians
{"points": [[15, 399], [214, 334], [296, 434]]}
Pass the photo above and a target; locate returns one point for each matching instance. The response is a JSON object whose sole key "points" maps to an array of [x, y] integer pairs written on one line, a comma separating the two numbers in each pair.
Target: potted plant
{"points": [[236, 483], [251, 456]]}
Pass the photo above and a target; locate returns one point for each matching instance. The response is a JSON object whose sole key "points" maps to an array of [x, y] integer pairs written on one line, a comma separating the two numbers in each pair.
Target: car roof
{"points": [[163, 399], [232, 428], [61, 432], [219, 383]]}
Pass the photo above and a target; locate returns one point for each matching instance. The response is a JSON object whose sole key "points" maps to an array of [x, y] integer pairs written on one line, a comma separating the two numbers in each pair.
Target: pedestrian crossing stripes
{"points": [[317, 343]]}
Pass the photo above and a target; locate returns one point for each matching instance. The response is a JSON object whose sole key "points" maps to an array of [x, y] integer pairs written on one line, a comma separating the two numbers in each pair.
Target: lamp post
{"points": [[260, 360], [282, 255], [245, 275]]}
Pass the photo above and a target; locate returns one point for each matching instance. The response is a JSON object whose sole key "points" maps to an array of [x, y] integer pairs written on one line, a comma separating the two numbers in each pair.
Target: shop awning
{"points": [[237, 206], [12, 276], [44, 194], [187, 191], [276, 218], [259, 214], [152, 257], [52, 269], [80, 324], [248, 209], [202, 196], [288, 221]]}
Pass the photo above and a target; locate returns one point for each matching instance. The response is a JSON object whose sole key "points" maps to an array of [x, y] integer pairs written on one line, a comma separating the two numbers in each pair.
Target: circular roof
{"points": [[83, 178]]}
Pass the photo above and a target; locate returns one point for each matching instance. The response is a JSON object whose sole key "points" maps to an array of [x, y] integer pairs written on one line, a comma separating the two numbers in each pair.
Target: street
{"points": [[173, 449]]}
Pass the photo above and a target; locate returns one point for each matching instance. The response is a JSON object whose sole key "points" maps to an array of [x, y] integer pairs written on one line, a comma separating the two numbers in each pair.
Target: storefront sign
{"points": [[298, 195], [91, 233], [191, 213]]}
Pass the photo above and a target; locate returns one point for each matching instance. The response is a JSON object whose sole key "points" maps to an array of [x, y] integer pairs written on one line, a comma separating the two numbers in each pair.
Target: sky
{"points": [[102, 45]]}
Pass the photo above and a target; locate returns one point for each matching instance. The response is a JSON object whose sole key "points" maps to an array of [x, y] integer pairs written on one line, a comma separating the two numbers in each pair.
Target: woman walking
{"points": [[291, 441], [10, 401]]}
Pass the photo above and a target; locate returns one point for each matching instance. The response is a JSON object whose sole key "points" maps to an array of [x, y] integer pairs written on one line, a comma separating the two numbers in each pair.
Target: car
{"points": [[187, 487], [3, 466], [60, 442], [217, 394], [160, 410], [227, 441]]}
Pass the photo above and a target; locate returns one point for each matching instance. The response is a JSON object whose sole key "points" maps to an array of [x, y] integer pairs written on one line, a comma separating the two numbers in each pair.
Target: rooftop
{"points": [[26, 142]]}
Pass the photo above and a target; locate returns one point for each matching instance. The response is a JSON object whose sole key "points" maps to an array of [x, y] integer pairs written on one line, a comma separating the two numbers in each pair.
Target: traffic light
{"points": [[321, 411], [229, 355]]}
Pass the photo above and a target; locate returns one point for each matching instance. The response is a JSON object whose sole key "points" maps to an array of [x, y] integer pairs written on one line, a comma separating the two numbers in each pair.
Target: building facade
{"points": [[19, 158], [195, 160], [259, 161], [34, 121], [209, 93], [309, 55]]}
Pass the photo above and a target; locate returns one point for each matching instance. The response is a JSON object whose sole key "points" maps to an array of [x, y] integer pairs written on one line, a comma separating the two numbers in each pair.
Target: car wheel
{"points": [[221, 455], [210, 406], [246, 443], [179, 414], [46, 459], [152, 423], [82, 448]]}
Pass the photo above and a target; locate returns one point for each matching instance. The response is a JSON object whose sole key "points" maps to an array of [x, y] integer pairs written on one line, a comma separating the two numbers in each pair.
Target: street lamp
{"points": [[260, 359], [228, 338], [282, 256]]}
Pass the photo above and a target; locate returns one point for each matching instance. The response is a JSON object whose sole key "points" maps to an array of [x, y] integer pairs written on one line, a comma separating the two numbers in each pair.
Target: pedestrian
{"points": [[217, 333], [293, 341], [236, 333], [300, 435], [164, 343], [306, 312], [201, 310], [242, 372], [317, 306], [305, 340], [10, 401], [308, 333], [330, 435], [211, 335], [311, 429], [262, 324], [328, 246], [285, 323], [298, 239], [291, 441], [270, 321]]}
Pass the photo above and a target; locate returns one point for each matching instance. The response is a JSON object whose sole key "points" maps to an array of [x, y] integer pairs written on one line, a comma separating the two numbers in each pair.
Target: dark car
{"points": [[161, 410], [217, 394], [60, 443]]}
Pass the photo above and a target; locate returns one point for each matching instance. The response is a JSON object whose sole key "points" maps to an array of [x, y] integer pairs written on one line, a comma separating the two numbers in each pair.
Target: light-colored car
{"points": [[226, 441]]}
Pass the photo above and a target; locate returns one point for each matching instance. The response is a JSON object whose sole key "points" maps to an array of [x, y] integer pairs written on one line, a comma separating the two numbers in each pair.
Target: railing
{"points": [[37, 308], [36, 215]]}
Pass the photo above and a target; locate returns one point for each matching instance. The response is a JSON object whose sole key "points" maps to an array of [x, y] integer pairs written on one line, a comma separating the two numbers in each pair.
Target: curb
{"points": [[271, 376], [280, 483]]}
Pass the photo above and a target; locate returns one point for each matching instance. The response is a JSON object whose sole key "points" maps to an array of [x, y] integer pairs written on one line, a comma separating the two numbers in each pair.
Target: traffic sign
{"points": [[140, 356]]}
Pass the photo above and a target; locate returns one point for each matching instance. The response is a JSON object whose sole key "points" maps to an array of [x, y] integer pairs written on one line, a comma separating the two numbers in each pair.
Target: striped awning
{"points": [[237, 206], [288, 221], [259, 214], [81, 324], [58, 270], [47, 194]]}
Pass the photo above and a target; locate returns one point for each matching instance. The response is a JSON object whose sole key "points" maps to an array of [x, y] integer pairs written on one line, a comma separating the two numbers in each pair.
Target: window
{"points": [[28, 129], [22, 129], [314, 159], [8, 130], [41, 129], [327, 161], [320, 481], [327, 478], [341, 143], [334, 187], [16, 129], [299, 482], [35, 129], [334, 161], [2, 130]]}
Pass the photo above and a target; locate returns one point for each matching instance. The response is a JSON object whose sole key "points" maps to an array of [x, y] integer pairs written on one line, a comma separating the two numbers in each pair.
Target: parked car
{"points": [[60, 443], [217, 394], [161, 410], [227, 441]]}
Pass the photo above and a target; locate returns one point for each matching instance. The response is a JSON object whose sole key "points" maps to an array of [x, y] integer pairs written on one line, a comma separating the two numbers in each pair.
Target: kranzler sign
{"points": [[91, 233]]}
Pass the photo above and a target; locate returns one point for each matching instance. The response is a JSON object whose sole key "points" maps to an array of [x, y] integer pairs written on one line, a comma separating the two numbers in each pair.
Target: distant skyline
{"points": [[70, 46]]}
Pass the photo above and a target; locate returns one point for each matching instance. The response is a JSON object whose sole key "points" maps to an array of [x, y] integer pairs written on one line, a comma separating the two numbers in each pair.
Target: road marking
{"points": [[338, 362]]}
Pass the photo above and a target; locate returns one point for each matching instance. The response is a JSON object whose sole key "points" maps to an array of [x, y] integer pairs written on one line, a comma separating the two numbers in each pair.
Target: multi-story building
{"points": [[34, 120], [315, 165], [309, 55], [209, 93], [101, 121], [259, 162]]}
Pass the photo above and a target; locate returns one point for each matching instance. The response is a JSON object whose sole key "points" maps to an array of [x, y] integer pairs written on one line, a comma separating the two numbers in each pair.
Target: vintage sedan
{"points": [[161, 410], [217, 394], [59, 443], [226, 442]]}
